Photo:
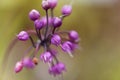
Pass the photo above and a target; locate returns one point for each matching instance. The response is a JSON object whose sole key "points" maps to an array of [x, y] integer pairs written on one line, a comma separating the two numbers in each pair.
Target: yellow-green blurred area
{"points": [[98, 24]]}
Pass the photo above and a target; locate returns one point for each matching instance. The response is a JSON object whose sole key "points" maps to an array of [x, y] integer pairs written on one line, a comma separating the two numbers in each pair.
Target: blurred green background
{"points": [[98, 24]]}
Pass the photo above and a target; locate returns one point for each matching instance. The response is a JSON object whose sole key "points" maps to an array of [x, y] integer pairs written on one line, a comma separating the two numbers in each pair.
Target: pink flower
{"points": [[18, 67]]}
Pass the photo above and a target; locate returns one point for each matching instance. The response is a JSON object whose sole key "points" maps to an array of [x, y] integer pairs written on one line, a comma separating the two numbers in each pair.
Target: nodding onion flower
{"points": [[46, 29]]}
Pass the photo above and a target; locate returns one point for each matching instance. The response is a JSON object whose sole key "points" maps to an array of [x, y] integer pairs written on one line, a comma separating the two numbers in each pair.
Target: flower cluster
{"points": [[49, 37]]}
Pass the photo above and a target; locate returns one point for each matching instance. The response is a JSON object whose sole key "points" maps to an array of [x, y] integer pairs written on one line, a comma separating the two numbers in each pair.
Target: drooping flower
{"points": [[18, 66], [46, 57], [57, 69], [28, 63]]}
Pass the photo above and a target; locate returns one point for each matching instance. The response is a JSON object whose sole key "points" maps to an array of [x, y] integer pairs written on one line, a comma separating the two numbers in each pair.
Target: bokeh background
{"points": [[98, 24]]}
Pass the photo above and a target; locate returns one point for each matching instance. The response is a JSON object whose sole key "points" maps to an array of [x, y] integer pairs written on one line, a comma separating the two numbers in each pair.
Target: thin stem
{"points": [[32, 41], [27, 51], [62, 17], [53, 31], [36, 49], [39, 36], [62, 32], [55, 58], [46, 30], [52, 14], [45, 47]]}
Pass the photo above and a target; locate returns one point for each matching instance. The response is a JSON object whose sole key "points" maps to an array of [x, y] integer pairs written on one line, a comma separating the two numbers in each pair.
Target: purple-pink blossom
{"points": [[66, 10], [48, 37], [23, 36], [18, 67], [57, 69], [46, 57], [34, 15]]}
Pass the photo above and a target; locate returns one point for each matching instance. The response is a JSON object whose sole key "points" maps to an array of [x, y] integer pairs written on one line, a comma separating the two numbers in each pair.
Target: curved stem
{"points": [[32, 41], [53, 31], [62, 17], [31, 32], [27, 51], [8, 51], [39, 35]]}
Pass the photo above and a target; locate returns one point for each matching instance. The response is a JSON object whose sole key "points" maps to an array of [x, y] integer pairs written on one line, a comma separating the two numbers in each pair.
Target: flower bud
{"points": [[39, 24], [57, 69], [57, 22], [56, 40], [68, 46], [45, 4], [53, 3], [46, 57], [53, 52], [23, 36], [28, 63], [34, 15], [66, 10], [18, 67], [73, 35], [44, 20]]}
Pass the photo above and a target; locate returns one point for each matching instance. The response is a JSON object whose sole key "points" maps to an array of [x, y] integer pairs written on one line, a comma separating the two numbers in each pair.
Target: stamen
{"points": [[71, 55]]}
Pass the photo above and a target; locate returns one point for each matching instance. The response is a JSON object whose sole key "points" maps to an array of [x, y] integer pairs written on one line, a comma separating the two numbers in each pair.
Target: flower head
{"points": [[66, 10], [28, 63], [53, 3], [56, 40], [34, 15], [44, 20], [73, 35], [45, 4], [23, 36], [67, 46], [46, 57], [48, 37], [39, 24], [57, 69], [57, 22], [18, 67]]}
